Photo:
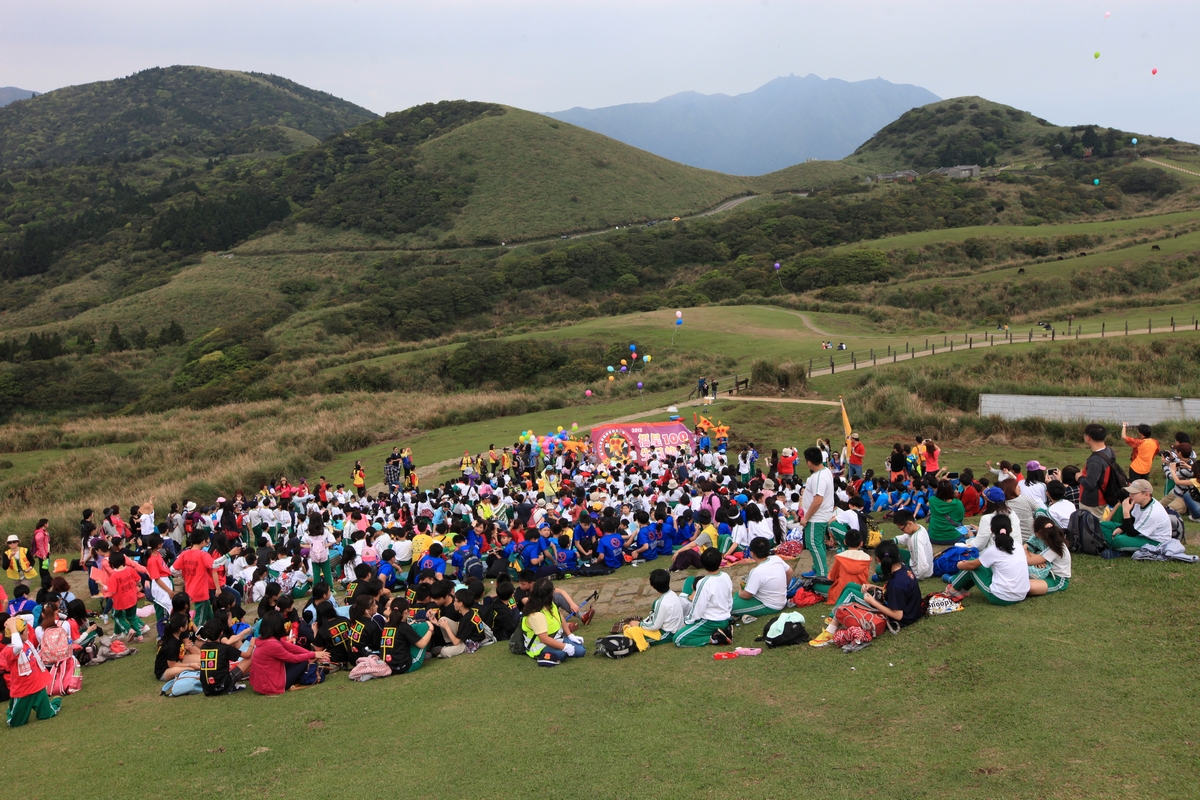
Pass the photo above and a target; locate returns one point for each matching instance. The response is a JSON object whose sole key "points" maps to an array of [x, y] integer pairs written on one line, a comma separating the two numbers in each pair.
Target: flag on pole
{"points": [[846, 424]]}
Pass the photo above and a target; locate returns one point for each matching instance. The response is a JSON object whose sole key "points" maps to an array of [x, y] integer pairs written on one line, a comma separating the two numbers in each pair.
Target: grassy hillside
{"points": [[809, 175], [206, 111], [536, 176], [972, 130]]}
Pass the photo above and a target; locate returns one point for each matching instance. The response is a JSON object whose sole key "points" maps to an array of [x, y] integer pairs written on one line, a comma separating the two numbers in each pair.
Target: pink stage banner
{"points": [[632, 441]]}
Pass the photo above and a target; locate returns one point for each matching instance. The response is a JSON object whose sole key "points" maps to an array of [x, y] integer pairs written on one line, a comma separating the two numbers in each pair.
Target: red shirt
{"points": [[787, 465], [23, 685], [268, 664], [196, 567], [857, 451], [157, 568], [125, 585], [41, 543]]}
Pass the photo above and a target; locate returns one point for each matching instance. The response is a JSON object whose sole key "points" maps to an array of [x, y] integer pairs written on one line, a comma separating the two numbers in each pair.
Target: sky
{"points": [[549, 56]]}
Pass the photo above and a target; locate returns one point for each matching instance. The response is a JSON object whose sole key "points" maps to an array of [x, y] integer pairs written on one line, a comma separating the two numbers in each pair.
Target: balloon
{"points": [[610, 377], [624, 369], [639, 384], [560, 428], [633, 347], [1096, 54], [646, 359], [1096, 182], [776, 265], [1107, 14], [563, 436], [588, 393], [678, 322], [624, 363], [1154, 71], [575, 425], [678, 315], [610, 369], [1135, 140]]}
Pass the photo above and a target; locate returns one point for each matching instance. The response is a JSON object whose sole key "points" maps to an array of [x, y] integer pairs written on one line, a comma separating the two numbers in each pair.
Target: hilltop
{"points": [[972, 130], [206, 111], [783, 122]]}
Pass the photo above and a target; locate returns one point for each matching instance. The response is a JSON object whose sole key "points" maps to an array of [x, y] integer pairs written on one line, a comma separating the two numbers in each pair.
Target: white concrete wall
{"points": [[1134, 410]]}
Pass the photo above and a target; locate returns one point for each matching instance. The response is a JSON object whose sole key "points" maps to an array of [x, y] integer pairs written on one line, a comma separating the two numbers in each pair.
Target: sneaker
{"points": [[747, 619], [809, 574], [544, 660], [586, 616], [854, 647], [237, 687], [824, 638]]}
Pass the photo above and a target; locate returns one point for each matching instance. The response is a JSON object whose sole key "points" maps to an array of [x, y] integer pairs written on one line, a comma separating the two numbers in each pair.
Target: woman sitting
{"points": [[900, 602], [946, 513], [277, 664], [1001, 572], [545, 637]]}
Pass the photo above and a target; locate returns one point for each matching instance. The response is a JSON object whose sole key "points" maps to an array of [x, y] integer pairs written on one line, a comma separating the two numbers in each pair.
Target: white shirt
{"points": [[403, 549], [1035, 490], [714, 599], [920, 552], [819, 483], [1010, 572], [1061, 512], [983, 540], [1153, 522], [666, 615], [848, 518], [768, 582]]}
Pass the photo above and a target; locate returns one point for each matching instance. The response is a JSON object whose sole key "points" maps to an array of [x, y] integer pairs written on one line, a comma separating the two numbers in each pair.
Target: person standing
{"points": [[817, 509], [1145, 448], [1094, 491], [856, 454], [41, 551], [359, 476]]}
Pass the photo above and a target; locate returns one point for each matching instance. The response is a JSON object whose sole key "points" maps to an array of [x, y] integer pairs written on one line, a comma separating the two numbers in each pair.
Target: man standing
{"points": [[1141, 460], [817, 510], [858, 451], [1095, 491]]}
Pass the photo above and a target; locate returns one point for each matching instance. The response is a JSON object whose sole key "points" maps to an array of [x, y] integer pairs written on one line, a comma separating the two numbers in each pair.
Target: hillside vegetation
{"points": [[204, 112]]}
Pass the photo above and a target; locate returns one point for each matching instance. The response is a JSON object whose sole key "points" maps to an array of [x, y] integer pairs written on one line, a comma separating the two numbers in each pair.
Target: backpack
{"points": [[318, 550], [1083, 534], [947, 560], [615, 646], [855, 616], [472, 568], [66, 677], [784, 630], [516, 642], [1113, 489], [55, 646], [940, 603], [183, 684]]}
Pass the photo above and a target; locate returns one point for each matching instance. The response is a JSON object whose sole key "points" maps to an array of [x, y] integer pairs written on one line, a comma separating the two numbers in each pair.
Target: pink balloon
{"points": [[588, 393], [1107, 14], [678, 315], [1154, 71]]}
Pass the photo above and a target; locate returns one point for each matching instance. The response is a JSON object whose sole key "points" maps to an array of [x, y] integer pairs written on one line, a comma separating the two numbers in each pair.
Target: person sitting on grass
{"points": [[545, 636], [277, 663], [915, 548], [403, 643], [688, 555], [1054, 553], [665, 617], [26, 676], [222, 666], [1144, 520], [176, 653], [765, 590], [1001, 572], [852, 565], [433, 560], [901, 596], [711, 599], [467, 634], [610, 547], [946, 514]]}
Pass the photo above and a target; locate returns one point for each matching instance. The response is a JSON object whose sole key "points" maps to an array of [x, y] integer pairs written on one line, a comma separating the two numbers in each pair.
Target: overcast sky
{"points": [[549, 56]]}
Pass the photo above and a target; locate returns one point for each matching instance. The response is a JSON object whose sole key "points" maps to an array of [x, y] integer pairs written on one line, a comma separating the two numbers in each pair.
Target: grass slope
{"points": [[108, 118], [537, 176]]}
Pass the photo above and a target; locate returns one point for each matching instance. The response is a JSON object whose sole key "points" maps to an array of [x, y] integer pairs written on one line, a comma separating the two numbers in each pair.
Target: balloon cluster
{"points": [[625, 366], [546, 443], [678, 317]]}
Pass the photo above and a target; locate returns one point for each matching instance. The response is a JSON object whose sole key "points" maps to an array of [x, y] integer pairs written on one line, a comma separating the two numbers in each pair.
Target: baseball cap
{"points": [[994, 494], [1140, 485]]}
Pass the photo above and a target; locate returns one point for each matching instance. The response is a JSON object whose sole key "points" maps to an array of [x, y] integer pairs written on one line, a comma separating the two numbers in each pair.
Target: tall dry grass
{"points": [[200, 454]]}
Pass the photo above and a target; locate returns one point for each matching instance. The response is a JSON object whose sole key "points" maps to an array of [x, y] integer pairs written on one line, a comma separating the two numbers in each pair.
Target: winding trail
{"points": [[803, 318]]}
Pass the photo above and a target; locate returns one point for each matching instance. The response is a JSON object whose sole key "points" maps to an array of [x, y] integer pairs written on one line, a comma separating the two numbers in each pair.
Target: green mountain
{"points": [[972, 130], [207, 112]]}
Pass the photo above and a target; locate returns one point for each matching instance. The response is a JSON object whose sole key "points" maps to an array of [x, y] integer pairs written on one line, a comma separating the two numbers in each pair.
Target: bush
{"points": [[775, 380]]}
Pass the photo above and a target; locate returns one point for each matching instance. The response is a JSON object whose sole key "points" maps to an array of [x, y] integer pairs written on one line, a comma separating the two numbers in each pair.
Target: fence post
{"points": [[1150, 326], [1052, 331], [873, 358], [854, 361], [934, 350], [1031, 334], [951, 345], [1077, 327], [906, 347], [1101, 330], [943, 341], [1172, 324], [895, 355], [832, 369], [1126, 327], [970, 343], [889, 349], [810, 368], [926, 344]]}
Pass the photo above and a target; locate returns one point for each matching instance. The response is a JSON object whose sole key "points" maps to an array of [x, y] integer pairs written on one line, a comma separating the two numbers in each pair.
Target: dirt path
{"points": [[803, 318], [1171, 166]]}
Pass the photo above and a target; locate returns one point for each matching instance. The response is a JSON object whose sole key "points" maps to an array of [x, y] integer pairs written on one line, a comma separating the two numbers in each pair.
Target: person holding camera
{"points": [[1145, 448]]}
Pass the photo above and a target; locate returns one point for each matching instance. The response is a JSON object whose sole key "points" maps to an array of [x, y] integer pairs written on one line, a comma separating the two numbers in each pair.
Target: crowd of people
{"points": [[373, 583]]}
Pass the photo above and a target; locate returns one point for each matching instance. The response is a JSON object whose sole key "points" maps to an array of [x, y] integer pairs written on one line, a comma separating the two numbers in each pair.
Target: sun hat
{"points": [[854, 436], [994, 494], [13, 538], [191, 506], [673, 484], [220, 500], [769, 485], [1032, 465]]}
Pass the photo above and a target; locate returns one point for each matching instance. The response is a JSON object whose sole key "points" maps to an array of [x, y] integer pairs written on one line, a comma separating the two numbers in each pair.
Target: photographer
{"points": [[1184, 495]]}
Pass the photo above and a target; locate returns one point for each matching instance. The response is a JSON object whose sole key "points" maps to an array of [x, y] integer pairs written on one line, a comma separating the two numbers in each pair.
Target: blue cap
{"points": [[994, 494]]}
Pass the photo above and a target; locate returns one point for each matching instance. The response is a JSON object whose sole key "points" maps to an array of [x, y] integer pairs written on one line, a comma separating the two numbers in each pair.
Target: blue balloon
{"points": [[678, 322], [632, 348], [1135, 140], [610, 369]]}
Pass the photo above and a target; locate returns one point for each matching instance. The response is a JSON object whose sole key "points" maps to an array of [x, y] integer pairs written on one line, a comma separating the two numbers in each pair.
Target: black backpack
{"points": [[615, 646], [1083, 534], [793, 633], [472, 568], [1113, 489]]}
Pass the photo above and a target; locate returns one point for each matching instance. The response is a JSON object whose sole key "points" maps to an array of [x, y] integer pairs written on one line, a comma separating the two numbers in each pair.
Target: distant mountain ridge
{"points": [[783, 122], [10, 93]]}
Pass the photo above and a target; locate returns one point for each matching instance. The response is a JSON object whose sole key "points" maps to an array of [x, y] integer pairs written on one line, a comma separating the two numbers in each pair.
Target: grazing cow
{"points": [[1021, 271], [1155, 247]]}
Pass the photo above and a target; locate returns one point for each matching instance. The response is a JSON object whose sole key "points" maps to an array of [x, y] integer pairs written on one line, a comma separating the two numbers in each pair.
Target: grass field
{"points": [[1086, 693]]}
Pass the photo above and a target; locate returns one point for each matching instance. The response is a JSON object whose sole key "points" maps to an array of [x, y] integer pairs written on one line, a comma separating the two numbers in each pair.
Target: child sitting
{"points": [[851, 565], [665, 617], [222, 667], [26, 676], [468, 633], [712, 603]]}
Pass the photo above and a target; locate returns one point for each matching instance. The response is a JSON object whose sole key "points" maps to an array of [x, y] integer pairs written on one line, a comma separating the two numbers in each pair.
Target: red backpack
{"points": [[55, 645]]}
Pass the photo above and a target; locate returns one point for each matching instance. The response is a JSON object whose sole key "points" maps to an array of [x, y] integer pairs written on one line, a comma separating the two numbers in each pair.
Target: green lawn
{"points": [[1090, 693]]}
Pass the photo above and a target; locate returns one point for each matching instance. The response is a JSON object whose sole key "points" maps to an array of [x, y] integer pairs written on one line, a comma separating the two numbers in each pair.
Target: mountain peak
{"points": [[785, 121], [10, 94]]}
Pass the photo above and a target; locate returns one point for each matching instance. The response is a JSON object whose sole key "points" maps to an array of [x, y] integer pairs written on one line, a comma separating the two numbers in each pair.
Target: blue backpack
{"points": [[947, 561]]}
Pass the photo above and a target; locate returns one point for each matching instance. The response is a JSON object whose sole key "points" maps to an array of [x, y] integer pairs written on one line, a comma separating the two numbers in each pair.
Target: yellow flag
{"points": [[845, 424]]}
